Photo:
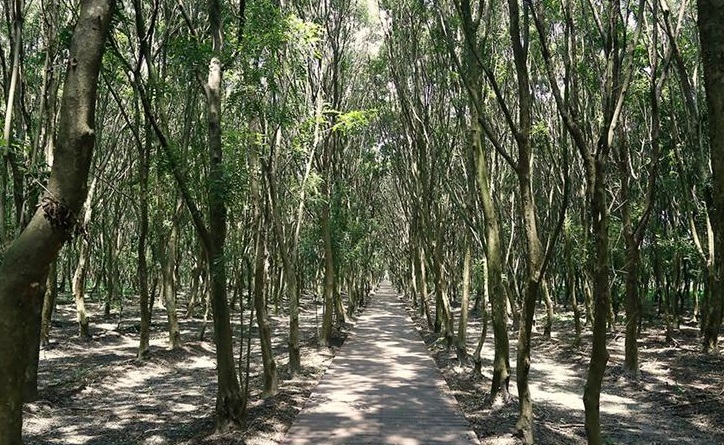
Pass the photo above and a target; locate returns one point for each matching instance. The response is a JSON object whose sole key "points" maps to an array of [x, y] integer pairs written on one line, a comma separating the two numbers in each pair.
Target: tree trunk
{"points": [[631, 354], [168, 285], [51, 294], [501, 362], [30, 390], [477, 359], [550, 313], [13, 89], [599, 353], [461, 346], [422, 279], [573, 290], [229, 400], [711, 34], [328, 298], [27, 259], [442, 302], [79, 289], [144, 153], [271, 379], [81, 271]]}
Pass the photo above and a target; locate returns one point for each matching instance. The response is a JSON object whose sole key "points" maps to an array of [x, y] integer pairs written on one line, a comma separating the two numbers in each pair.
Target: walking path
{"points": [[382, 388]]}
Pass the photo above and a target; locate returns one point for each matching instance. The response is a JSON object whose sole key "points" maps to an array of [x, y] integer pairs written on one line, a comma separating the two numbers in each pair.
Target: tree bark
{"points": [[229, 399], [442, 302], [328, 298], [30, 390], [27, 259], [51, 294], [461, 346], [711, 35], [144, 154], [17, 40], [271, 379], [168, 276], [81, 270], [501, 362]]}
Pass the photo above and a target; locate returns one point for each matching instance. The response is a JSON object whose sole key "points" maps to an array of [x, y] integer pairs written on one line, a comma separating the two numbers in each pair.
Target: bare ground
{"points": [[96, 392], [677, 399]]}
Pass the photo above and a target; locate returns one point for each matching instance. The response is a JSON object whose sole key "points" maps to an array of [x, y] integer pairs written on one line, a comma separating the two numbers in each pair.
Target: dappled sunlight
{"points": [[71, 437], [200, 362], [383, 387]]}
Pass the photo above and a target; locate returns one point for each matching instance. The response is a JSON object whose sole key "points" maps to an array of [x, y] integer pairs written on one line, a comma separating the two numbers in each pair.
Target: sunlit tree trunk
{"points": [[168, 278], [81, 270], [17, 39]]}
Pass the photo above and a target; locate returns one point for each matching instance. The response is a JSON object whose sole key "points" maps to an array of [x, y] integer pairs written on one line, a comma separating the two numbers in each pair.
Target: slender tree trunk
{"points": [[501, 362], [578, 326], [144, 154], [550, 313], [229, 400], [599, 352], [81, 271], [168, 286], [328, 278], [79, 289], [422, 277], [442, 301], [271, 380], [30, 390], [631, 354], [461, 346], [17, 40], [51, 294], [477, 359]]}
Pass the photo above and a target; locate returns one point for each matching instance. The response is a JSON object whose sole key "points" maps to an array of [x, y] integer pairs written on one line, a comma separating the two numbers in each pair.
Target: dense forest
{"points": [[535, 165]]}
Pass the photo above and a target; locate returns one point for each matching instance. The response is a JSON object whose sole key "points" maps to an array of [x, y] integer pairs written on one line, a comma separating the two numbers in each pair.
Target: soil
{"points": [[96, 392], [678, 398]]}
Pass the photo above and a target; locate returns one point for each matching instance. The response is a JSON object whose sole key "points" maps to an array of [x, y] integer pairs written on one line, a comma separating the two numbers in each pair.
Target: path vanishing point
{"points": [[382, 388]]}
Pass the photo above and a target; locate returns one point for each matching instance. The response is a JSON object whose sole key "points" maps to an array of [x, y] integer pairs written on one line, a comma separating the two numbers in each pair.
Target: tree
{"points": [[27, 260], [474, 30], [711, 34], [595, 155]]}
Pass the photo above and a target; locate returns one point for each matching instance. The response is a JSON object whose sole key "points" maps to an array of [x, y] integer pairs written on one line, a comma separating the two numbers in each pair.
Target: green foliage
{"points": [[351, 121]]}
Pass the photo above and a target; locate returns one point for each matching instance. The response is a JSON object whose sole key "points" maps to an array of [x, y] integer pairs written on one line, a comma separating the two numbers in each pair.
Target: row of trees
{"points": [[495, 153], [210, 150], [567, 144]]}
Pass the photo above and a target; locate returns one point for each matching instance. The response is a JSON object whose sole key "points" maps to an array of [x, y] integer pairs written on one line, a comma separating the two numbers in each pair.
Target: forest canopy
{"points": [[521, 162]]}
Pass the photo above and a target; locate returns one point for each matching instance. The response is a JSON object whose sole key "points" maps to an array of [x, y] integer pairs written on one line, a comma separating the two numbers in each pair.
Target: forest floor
{"points": [[677, 399], [96, 392]]}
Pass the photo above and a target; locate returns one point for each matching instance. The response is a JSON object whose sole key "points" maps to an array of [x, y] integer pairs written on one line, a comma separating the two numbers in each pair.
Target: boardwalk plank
{"points": [[382, 388]]}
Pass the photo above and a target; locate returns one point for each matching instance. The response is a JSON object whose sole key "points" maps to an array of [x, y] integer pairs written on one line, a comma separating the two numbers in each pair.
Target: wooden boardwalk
{"points": [[382, 388]]}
